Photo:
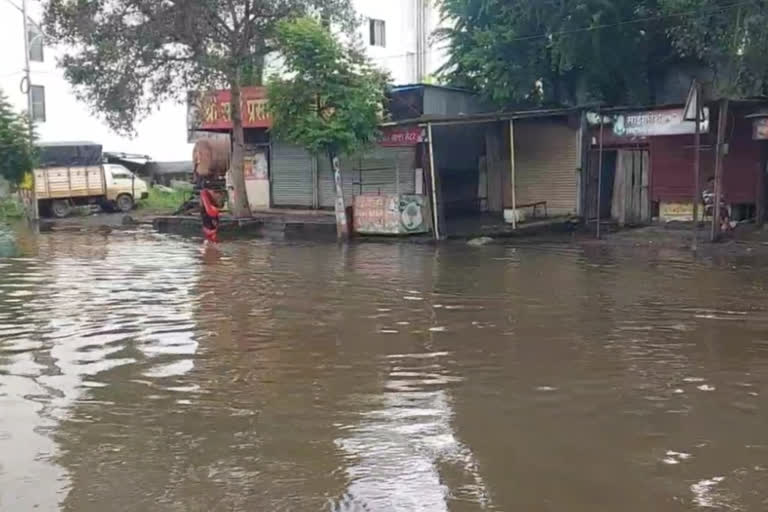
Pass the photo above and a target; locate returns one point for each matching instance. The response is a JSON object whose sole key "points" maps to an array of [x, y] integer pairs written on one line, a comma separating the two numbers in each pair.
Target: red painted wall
{"points": [[672, 165]]}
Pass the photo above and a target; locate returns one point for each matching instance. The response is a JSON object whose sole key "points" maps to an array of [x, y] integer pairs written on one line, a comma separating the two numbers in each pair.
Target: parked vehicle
{"points": [[73, 174]]}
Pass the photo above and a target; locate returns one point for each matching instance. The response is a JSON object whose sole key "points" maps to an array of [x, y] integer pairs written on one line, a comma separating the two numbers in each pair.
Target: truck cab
{"points": [[123, 187]]}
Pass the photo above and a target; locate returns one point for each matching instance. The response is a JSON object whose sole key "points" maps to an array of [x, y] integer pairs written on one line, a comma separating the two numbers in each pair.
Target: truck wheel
{"points": [[61, 208], [124, 203]]}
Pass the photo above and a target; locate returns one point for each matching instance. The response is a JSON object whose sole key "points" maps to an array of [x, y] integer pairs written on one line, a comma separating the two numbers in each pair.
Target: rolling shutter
{"points": [[373, 173], [292, 176], [546, 163], [326, 192]]}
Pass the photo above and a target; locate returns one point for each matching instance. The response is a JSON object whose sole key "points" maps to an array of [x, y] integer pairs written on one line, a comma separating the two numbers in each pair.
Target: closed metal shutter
{"points": [[373, 173], [292, 176], [546, 163], [326, 192]]}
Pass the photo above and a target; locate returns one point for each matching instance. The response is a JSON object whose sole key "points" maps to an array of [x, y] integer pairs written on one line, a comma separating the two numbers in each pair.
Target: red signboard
{"points": [[401, 136], [213, 111]]}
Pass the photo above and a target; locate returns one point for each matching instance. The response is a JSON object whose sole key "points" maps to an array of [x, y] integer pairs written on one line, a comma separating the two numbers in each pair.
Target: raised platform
{"points": [[298, 224]]}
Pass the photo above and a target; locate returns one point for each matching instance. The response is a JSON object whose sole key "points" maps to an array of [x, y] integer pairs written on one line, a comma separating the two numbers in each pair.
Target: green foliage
{"points": [[332, 101], [615, 51], [728, 38], [160, 200], [538, 52], [129, 55], [17, 149], [10, 208]]}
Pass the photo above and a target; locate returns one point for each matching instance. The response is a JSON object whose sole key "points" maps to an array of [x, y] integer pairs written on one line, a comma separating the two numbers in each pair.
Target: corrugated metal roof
{"points": [[506, 115], [488, 117], [406, 87]]}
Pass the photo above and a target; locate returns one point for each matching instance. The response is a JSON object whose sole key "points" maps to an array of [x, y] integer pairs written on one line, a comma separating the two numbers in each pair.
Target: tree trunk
{"points": [[239, 206], [342, 230]]}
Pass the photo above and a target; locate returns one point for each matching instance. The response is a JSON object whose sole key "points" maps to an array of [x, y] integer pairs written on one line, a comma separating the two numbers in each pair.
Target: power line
{"points": [[29, 19], [13, 4], [633, 21], [696, 12]]}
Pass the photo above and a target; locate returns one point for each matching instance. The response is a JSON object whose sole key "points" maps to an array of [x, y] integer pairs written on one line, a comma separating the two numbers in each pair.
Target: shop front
{"points": [[279, 174], [640, 165], [648, 164]]}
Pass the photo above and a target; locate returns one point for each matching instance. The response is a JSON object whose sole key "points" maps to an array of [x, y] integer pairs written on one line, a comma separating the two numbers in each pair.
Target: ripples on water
{"points": [[141, 372]]}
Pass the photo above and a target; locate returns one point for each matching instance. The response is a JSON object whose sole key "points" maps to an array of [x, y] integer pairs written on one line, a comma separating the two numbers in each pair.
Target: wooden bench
{"points": [[535, 205]]}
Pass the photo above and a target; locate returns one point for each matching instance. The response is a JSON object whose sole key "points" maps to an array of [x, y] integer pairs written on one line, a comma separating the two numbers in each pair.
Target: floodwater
{"points": [[141, 372]]}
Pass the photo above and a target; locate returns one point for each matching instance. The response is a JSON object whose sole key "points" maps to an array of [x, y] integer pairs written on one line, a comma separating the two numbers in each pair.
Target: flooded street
{"points": [[146, 372]]}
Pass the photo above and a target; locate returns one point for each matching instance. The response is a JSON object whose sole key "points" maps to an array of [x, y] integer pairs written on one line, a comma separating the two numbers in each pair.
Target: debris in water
{"points": [[679, 391], [479, 242], [693, 379], [388, 331], [437, 329], [412, 297], [706, 387], [678, 455], [546, 388]]}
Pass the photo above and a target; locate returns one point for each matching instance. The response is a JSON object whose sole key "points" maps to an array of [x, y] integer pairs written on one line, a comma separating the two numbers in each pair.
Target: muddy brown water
{"points": [[145, 372]]}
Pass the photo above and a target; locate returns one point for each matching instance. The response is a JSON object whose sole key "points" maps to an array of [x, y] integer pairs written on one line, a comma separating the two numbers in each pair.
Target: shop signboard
{"points": [[391, 214], [212, 110], [401, 136], [652, 123]]}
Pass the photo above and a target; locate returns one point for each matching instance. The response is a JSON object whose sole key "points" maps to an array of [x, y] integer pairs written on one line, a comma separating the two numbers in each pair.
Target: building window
{"points": [[37, 93], [35, 42], [378, 29]]}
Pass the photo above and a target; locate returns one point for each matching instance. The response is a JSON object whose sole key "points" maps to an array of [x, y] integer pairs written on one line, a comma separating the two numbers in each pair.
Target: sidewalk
{"points": [[296, 224], [746, 238]]}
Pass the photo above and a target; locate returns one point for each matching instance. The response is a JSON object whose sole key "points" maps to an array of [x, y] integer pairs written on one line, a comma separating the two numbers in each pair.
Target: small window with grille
{"points": [[35, 43], [37, 93]]}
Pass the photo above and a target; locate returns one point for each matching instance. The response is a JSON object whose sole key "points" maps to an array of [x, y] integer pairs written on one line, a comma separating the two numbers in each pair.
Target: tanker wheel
{"points": [[61, 208]]}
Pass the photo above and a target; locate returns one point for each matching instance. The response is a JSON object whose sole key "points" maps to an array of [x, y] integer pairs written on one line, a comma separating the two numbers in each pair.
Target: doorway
{"points": [[624, 186], [604, 180]]}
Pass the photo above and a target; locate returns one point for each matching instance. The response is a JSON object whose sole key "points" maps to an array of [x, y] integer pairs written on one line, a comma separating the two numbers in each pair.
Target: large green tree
{"points": [[728, 38], [556, 51], [614, 51], [330, 98], [127, 56], [17, 148]]}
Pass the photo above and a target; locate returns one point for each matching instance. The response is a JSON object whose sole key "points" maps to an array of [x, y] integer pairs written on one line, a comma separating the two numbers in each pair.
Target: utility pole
{"points": [[696, 166], [600, 176], [27, 73], [722, 124], [34, 213]]}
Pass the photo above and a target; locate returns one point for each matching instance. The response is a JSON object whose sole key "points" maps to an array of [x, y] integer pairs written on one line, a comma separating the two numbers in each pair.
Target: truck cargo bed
{"points": [[64, 182]]}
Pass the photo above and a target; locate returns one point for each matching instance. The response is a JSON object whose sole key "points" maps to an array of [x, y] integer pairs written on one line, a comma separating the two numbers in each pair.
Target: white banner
{"points": [[657, 122]]}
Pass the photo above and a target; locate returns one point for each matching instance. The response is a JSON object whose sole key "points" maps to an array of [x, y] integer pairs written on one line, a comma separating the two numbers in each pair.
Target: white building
{"points": [[396, 33]]}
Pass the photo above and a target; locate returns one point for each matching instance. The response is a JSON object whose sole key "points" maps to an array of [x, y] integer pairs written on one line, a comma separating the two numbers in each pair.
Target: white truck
{"points": [[73, 174]]}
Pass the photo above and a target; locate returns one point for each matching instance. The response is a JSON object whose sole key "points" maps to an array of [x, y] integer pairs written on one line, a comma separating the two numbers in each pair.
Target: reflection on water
{"points": [[143, 372], [404, 449]]}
